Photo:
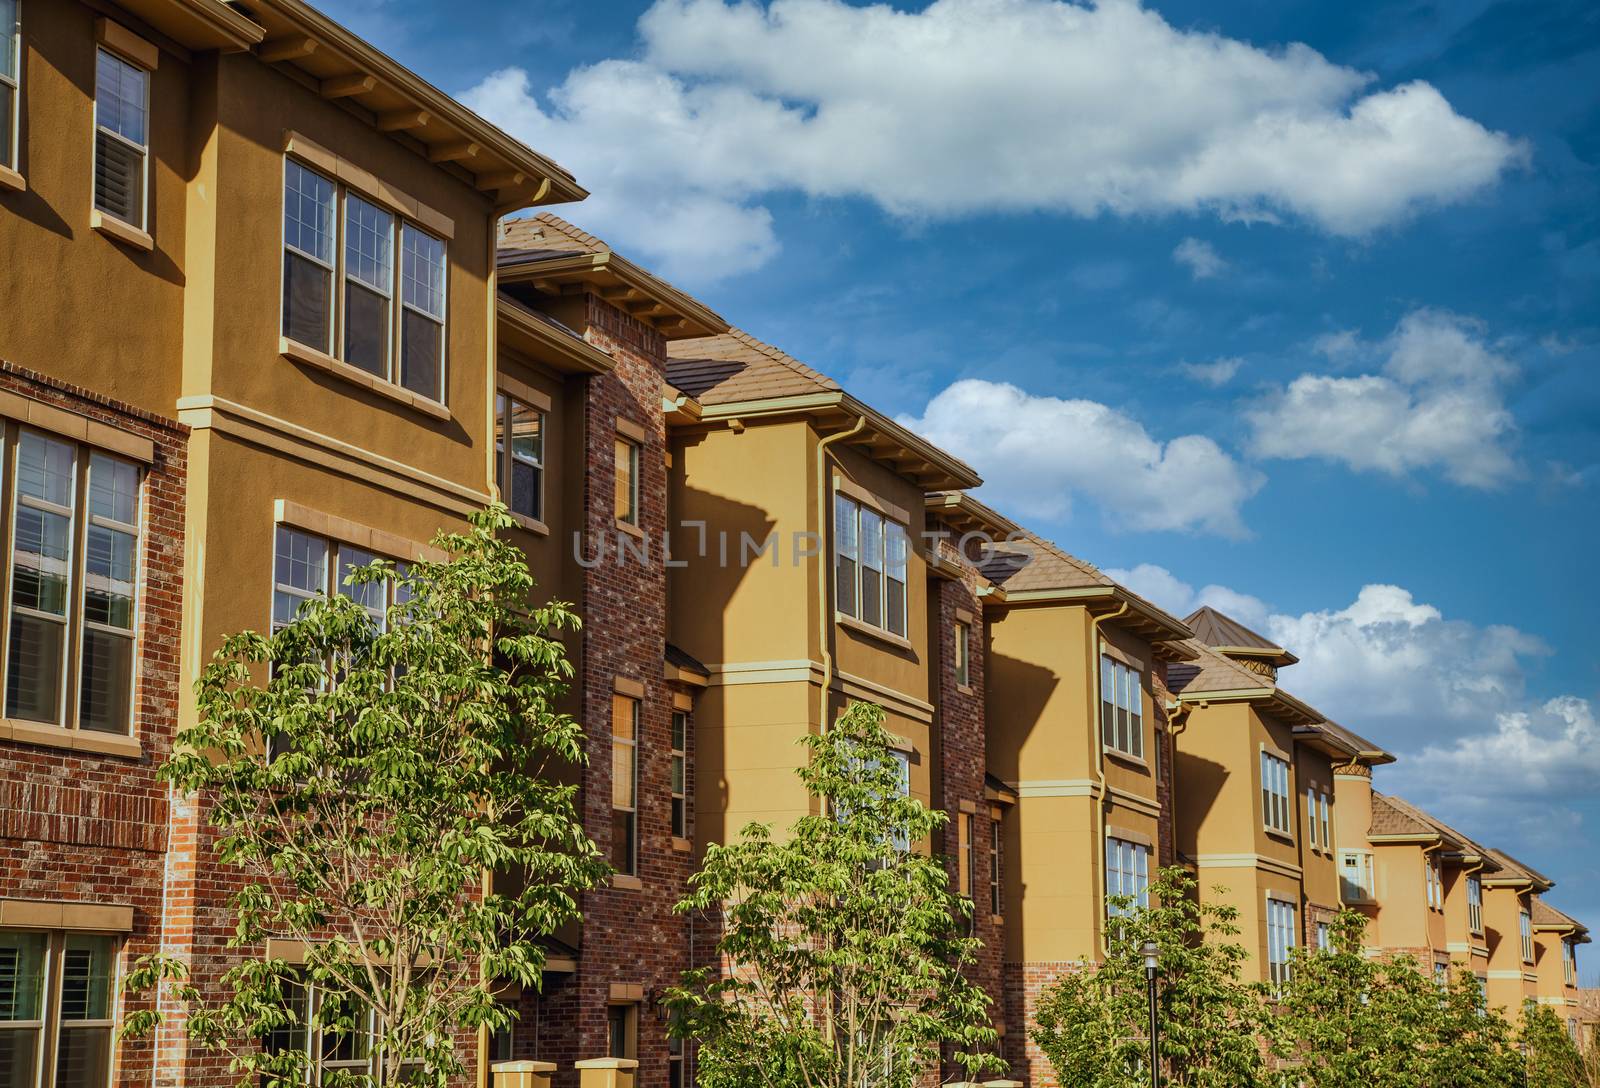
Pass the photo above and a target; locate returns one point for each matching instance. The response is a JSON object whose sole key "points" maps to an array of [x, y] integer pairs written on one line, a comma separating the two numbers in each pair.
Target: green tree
{"points": [[1092, 1024], [843, 942], [364, 779], [1553, 1060], [1344, 1018]]}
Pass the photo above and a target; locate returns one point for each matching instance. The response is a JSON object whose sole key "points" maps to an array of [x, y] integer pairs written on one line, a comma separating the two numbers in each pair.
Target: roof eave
{"points": [[519, 330], [200, 24], [689, 319]]}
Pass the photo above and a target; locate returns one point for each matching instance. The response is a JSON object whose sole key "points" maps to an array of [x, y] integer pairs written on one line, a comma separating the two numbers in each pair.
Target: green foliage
{"points": [[845, 950], [409, 763], [1553, 1058], [1344, 1018], [1093, 1024]]}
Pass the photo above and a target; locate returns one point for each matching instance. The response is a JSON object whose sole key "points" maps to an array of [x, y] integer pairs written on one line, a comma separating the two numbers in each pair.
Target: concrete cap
{"points": [[627, 1064], [523, 1067]]}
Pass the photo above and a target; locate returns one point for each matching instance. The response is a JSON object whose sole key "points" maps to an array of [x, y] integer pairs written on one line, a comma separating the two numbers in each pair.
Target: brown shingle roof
{"points": [[1392, 816], [1515, 870], [1210, 671], [1035, 563], [735, 366], [1218, 629], [538, 237], [1546, 915]]}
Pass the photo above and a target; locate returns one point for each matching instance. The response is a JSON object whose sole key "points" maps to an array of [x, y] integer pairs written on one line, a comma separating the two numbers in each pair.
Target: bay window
{"points": [[361, 324], [75, 529], [871, 557], [121, 138], [1121, 707]]}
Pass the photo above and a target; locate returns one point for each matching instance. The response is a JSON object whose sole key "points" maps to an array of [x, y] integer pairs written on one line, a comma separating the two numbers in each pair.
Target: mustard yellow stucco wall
{"points": [[1511, 980]]}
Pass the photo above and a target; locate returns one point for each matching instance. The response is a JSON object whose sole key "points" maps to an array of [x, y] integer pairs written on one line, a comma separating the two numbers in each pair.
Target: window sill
{"points": [[630, 528], [682, 846], [624, 882], [77, 740], [997, 919], [10, 179], [1123, 757], [533, 525], [965, 689], [310, 356], [118, 231], [872, 632], [1281, 836]]}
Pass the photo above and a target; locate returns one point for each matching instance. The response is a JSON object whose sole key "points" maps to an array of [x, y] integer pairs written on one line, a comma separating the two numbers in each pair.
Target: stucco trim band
{"points": [[57, 914], [1249, 861], [385, 543], [46, 417]]}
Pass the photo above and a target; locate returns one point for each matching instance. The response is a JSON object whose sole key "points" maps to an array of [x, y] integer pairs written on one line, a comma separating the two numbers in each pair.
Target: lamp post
{"points": [[1151, 966]]}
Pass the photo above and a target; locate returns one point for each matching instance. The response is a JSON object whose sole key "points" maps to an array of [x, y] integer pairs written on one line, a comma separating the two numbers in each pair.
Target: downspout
{"points": [[824, 598], [1177, 722], [492, 385], [1097, 731]]}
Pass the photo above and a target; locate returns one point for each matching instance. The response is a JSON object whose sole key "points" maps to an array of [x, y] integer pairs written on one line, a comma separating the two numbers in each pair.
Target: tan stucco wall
{"points": [[1511, 981]]}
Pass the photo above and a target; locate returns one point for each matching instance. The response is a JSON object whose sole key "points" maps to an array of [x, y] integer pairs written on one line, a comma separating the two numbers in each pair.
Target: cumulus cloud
{"points": [[1200, 258], [1039, 454], [1437, 403], [1099, 108], [1161, 586], [1215, 374]]}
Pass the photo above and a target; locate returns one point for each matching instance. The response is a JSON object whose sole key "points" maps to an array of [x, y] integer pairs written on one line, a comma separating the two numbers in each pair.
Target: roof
{"points": [[1028, 567], [547, 254], [735, 366], [1365, 750], [1547, 917], [1514, 872], [965, 514], [1210, 671], [1396, 816], [199, 24], [682, 659], [1223, 632]]}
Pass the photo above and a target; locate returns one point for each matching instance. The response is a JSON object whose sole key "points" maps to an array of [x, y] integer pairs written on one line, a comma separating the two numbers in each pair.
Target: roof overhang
{"points": [[964, 515], [1140, 616], [671, 312], [1335, 744], [883, 440], [403, 104], [1280, 704], [1277, 655], [199, 24], [524, 331], [1419, 838], [679, 407]]}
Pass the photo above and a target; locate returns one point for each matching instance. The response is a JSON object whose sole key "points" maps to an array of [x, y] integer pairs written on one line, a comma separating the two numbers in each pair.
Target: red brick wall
{"points": [[82, 828]]}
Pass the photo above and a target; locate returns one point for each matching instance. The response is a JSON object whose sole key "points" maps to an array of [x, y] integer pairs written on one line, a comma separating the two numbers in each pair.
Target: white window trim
{"points": [[1276, 906], [889, 523], [1127, 850], [143, 149], [1365, 868], [1273, 760], [13, 161], [1128, 683]]}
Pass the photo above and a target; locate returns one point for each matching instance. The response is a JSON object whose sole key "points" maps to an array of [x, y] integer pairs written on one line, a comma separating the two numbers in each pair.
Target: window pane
{"points": [[119, 97], [8, 105], [39, 558], [622, 832], [113, 489], [105, 703], [871, 568], [86, 969], [421, 354], [83, 1058], [308, 212], [34, 669], [307, 313], [527, 460], [118, 179], [46, 469], [300, 571], [895, 607], [21, 975], [19, 1057], [109, 577], [372, 596], [368, 243], [627, 467], [845, 550], [8, 41], [422, 272], [366, 329]]}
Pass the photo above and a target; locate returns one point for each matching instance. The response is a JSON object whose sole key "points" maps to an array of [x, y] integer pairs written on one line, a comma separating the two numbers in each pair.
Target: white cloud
{"points": [[1200, 258], [1439, 403], [1038, 454], [1162, 587], [1215, 374], [1554, 747], [1098, 108]]}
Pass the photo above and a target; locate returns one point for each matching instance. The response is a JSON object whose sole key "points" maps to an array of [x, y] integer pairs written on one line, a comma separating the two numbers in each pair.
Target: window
{"points": [[674, 1063], [519, 467], [1324, 940], [403, 345], [1280, 940], [1475, 903], [1121, 707], [349, 1051], [1327, 827], [63, 981], [1311, 816], [680, 774], [1274, 793], [996, 907], [627, 481], [121, 139], [1526, 924], [962, 633], [965, 877], [902, 760], [10, 80], [1355, 876], [624, 784], [1569, 962], [1430, 863], [1127, 874], [75, 513], [870, 565], [306, 566], [1441, 974], [622, 1030]]}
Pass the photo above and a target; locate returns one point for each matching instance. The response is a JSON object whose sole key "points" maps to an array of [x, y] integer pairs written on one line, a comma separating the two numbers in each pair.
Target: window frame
{"points": [[1327, 823], [143, 150], [961, 636], [1311, 817], [506, 457], [1277, 794], [678, 773], [1281, 922], [49, 1025], [1434, 876], [631, 744], [1130, 861], [11, 154], [629, 1016], [1364, 871], [996, 867], [340, 278], [966, 852], [1475, 904], [73, 621], [1569, 961], [855, 513], [1121, 716], [634, 461], [1525, 930]]}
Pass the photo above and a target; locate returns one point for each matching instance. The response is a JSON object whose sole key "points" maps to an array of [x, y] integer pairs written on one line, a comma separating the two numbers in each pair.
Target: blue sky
{"points": [[1285, 306]]}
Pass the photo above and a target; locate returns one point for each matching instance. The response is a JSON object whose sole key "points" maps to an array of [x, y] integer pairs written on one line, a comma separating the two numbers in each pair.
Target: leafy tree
{"points": [[1343, 1019], [843, 947], [1553, 1060], [1092, 1024], [363, 780]]}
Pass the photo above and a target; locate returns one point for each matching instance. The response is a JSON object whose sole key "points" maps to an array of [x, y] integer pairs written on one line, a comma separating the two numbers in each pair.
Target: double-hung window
{"points": [[680, 774], [1311, 817], [1569, 962], [1280, 939], [61, 985], [1324, 940], [995, 870], [1475, 903], [1327, 826], [1435, 882], [1127, 875], [10, 80], [1121, 707], [902, 768], [965, 875], [1526, 926], [625, 784], [961, 641], [519, 456], [1355, 876], [74, 515], [1275, 793], [389, 317], [626, 481], [121, 138], [871, 553]]}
